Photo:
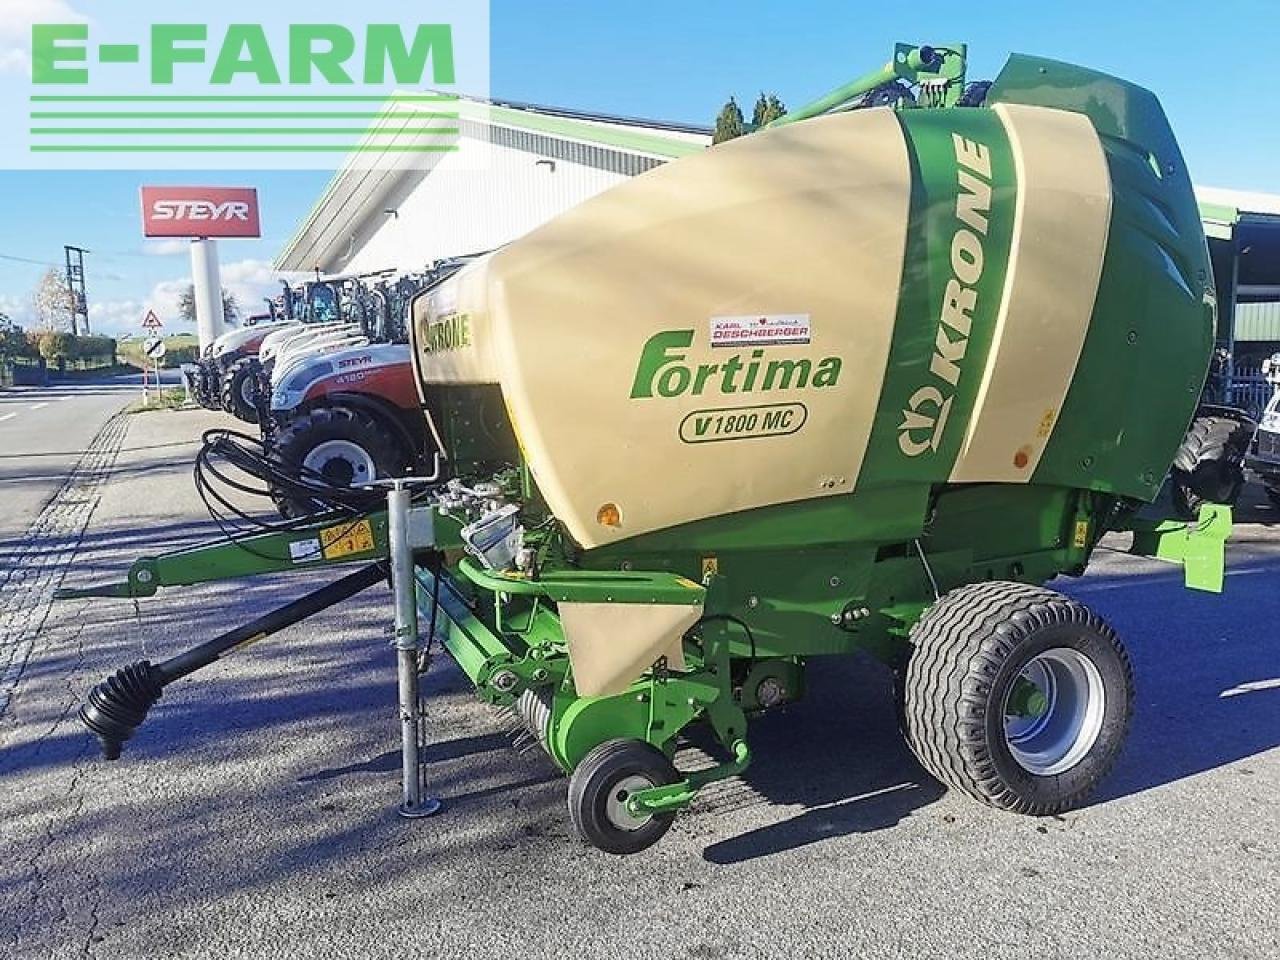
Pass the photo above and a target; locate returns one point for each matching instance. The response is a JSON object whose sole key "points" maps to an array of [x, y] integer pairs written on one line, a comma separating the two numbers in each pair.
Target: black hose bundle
{"points": [[232, 461]]}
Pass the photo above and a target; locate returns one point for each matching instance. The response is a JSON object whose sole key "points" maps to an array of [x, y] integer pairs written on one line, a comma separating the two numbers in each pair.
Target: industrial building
{"points": [[519, 166]]}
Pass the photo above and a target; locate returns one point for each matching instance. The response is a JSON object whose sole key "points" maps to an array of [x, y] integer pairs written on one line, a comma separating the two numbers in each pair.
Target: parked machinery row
{"points": [[328, 378]]}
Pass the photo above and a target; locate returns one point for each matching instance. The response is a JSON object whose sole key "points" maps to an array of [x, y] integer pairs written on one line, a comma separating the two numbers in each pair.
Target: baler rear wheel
{"points": [[598, 791], [1018, 696]]}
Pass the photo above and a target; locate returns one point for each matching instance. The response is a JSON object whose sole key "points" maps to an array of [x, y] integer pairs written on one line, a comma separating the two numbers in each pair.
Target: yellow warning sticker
{"points": [[346, 539], [1081, 539], [710, 566]]}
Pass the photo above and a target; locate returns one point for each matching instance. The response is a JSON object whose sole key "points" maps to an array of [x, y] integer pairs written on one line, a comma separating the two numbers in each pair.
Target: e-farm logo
{"points": [[316, 52], [244, 92]]}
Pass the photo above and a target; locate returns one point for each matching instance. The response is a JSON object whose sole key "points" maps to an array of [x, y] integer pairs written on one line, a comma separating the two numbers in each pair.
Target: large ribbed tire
{"points": [[1209, 465], [206, 394], [239, 390], [974, 653], [598, 789], [344, 446]]}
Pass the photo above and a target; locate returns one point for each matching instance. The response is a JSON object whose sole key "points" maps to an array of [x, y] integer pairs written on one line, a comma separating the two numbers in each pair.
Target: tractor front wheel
{"points": [[1209, 465], [1019, 696], [598, 791], [239, 390], [339, 446]]}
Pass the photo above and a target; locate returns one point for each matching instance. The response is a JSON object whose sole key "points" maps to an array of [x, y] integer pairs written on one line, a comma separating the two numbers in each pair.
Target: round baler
{"points": [[860, 382], [863, 382]]}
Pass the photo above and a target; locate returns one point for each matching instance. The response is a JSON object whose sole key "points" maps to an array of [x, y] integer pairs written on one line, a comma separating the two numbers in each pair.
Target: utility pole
{"points": [[76, 289]]}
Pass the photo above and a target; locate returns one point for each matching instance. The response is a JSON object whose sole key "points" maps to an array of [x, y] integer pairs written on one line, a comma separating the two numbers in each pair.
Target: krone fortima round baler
{"points": [[861, 381]]}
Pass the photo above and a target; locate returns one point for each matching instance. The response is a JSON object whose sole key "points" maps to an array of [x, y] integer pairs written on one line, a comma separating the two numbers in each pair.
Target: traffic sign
{"points": [[151, 321], [154, 348]]}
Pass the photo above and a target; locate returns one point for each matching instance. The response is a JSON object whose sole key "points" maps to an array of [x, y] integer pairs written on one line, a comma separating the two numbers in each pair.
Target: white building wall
{"points": [[460, 209]]}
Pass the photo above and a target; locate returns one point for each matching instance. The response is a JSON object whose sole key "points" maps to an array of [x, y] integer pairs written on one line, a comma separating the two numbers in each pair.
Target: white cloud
{"points": [[250, 280], [18, 309], [15, 28]]}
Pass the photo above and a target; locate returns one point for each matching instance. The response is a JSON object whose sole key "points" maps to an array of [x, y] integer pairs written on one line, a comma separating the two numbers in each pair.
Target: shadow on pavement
{"points": [[1201, 665], [839, 754]]}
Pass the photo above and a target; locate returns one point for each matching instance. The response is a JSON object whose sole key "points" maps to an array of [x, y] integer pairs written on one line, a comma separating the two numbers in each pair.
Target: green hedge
{"points": [[77, 351]]}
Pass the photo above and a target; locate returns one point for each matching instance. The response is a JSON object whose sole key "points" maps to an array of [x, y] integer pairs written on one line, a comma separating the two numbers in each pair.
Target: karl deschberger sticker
{"points": [[760, 330]]}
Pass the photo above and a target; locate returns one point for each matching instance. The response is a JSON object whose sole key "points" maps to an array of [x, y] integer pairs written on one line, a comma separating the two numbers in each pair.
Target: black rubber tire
{"points": [[594, 780], [1273, 494], [969, 648], [234, 379], [301, 435], [208, 386], [1209, 465]]}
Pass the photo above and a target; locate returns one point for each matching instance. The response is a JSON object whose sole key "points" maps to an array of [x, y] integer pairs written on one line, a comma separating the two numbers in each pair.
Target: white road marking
{"points": [[37, 406], [1250, 687], [7, 416]]}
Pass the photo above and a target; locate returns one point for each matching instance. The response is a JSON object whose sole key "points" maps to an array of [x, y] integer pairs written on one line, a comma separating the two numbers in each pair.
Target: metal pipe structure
{"points": [[908, 62], [414, 804]]}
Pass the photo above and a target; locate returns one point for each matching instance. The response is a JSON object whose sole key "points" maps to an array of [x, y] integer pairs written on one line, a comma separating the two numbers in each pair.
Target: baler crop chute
{"points": [[858, 382]]}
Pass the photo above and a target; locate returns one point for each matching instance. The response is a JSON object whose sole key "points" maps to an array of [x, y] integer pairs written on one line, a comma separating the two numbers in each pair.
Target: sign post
{"points": [[153, 348], [202, 214]]}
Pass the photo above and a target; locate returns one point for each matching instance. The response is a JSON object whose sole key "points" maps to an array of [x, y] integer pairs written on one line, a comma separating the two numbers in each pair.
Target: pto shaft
{"points": [[117, 706]]}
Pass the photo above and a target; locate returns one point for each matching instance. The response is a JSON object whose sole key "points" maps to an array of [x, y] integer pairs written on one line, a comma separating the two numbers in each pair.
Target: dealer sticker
{"points": [[346, 539], [760, 330]]}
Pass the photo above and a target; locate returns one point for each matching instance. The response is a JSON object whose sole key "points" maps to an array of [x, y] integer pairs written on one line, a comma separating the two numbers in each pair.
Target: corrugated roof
{"points": [[1258, 321]]}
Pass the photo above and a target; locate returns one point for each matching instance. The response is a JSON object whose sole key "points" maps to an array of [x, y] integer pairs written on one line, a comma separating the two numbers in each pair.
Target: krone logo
{"points": [[923, 421]]}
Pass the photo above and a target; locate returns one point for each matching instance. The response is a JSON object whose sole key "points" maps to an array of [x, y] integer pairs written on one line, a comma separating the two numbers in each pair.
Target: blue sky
{"points": [[1208, 62]]}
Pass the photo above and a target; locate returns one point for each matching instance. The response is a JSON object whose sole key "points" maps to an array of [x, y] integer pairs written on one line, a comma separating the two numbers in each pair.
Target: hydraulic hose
{"points": [[116, 707]]}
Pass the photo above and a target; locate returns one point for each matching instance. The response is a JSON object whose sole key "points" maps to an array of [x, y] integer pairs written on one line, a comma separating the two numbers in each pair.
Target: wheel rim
{"points": [[341, 462], [1057, 737], [615, 808], [247, 391]]}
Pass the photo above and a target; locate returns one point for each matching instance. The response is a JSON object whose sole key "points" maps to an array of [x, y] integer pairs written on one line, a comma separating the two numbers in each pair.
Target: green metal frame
{"points": [[941, 67]]}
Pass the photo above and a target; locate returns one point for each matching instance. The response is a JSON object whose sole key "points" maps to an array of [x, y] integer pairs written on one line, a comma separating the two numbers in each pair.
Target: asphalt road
{"points": [[43, 433], [253, 814]]}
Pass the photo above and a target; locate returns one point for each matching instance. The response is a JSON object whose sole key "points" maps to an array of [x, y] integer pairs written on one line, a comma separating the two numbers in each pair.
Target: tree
{"points": [[730, 123], [187, 305], [57, 346], [52, 302], [13, 341], [768, 108]]}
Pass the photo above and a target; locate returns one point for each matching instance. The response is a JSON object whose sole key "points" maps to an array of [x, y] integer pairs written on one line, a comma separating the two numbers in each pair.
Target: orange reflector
{"points": [[1022, 458], [609, 515]]}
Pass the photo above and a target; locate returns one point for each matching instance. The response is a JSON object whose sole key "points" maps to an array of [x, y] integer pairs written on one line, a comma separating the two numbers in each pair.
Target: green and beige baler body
{"points": [[840, 385], [784, 393]]}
